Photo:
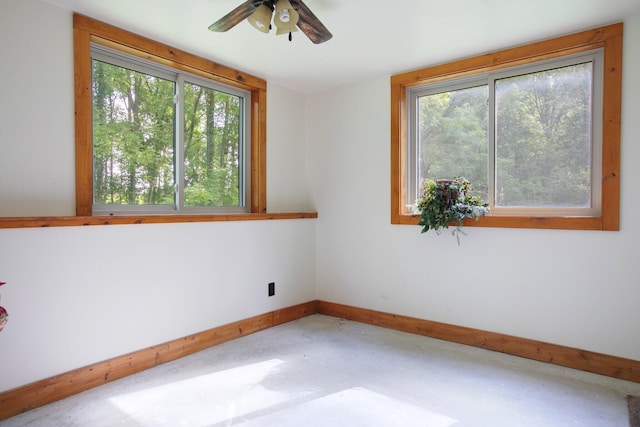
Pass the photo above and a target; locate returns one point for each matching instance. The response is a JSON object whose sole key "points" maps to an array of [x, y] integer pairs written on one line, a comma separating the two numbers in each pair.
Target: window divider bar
{"points": [[492, 168], [179, 148]]}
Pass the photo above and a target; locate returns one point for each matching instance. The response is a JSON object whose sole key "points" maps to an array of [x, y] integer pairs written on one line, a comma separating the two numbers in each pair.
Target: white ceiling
{"points": [[371, 38]]}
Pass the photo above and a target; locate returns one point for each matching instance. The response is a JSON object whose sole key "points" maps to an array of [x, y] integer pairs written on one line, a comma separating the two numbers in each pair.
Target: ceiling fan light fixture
{"points": [[285, 17], [261, 18]]}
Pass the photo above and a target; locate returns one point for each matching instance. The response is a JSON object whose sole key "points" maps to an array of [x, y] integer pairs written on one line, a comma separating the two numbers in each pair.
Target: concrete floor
{"points": [[323, 371]]}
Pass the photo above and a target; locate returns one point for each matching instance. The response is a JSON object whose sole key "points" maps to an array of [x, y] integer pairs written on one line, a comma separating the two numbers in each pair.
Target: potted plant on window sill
{"points": [[445, 201]]}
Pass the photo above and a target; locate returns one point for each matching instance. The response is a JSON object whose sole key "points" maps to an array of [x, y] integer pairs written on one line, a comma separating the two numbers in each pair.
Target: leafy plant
{"points": [[445, 201]]}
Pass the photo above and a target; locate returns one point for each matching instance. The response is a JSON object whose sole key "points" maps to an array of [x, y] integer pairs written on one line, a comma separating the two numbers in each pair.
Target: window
{"points": [[535, 129], [160, 131], [165, 141], [522, 136]]}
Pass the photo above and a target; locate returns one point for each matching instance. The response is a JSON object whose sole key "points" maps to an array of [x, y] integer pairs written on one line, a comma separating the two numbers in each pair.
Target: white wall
{"points": [[287, 189], [80, 295], [575, 288], [36, 114]]}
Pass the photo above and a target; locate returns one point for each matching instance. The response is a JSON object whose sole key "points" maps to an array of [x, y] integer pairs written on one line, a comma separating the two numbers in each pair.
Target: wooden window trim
{"points": [[87, 31], [76, 221], [609, 38]]}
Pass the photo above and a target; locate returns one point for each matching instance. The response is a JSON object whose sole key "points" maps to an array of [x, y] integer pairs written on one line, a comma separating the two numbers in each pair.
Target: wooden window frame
{"points": [[608, 38], [87, 31]]}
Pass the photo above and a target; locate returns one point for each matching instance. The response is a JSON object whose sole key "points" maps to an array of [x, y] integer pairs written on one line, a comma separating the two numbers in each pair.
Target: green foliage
{"points": [[542, 137], [135, 135], [453, 135], [444, 202], [212, 147]]}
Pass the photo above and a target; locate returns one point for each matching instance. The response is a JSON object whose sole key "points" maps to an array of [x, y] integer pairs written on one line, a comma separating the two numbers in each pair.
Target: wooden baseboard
{"points": [[30, 396], [612, 366]]}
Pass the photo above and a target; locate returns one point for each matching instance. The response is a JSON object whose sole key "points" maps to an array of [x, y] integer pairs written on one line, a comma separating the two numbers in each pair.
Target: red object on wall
{"points": [[4, 316]]}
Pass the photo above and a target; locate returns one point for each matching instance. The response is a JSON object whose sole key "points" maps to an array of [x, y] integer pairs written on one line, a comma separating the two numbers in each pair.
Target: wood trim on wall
{"points": [[597, 363], [608, 38], [74, 221], [40, 393], [31, 396], [259, 151], [87, 30]]}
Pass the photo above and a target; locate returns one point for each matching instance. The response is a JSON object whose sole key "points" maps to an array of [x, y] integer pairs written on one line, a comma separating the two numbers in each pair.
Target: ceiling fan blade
{"points": [[234, 17], [310, 24]]}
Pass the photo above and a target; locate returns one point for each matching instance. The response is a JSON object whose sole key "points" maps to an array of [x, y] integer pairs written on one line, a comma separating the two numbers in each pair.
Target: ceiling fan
{"points": [[287, 14]]}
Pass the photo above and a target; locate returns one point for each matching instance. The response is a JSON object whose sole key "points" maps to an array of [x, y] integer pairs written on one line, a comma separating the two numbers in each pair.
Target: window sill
{"points": [[74, 221], [503, 221]]}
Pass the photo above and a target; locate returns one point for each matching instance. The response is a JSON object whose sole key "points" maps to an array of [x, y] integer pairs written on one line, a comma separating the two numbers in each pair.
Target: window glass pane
{"points": [[452, 136], [133, 137], [543, 138], [212, 147]]}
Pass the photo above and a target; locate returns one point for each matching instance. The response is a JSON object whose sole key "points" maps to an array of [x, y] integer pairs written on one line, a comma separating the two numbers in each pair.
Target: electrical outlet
{"points": [[272, 289]]}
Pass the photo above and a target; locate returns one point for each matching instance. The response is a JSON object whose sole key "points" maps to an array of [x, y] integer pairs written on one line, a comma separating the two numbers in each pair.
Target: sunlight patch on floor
{"points": [[239, 395], [361, 407], [205, 399]]}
